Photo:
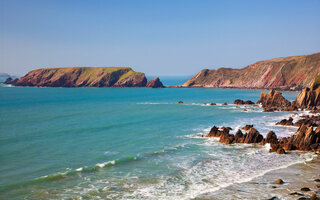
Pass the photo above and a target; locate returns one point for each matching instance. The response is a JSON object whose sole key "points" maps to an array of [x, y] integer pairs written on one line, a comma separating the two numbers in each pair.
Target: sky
{"points": [[157, 37]]}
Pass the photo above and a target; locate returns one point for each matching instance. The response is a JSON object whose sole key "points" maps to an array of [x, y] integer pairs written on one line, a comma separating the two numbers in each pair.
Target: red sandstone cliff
{"points": [[275, 73]]}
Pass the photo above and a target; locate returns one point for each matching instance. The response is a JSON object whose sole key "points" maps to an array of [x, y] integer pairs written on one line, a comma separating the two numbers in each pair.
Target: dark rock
{"points": [[281, 151], [305, 189], [238, 102], [241, 102], [317, 180], [224, 104], [249, 102], [253, 136], [227, 138], [271, 138], [286, 122], [180, 101], [309, 120], [212, 104], [296, 193], [246, 127]]}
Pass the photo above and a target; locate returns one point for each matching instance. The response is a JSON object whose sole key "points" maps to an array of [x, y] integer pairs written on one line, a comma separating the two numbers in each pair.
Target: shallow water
{"points": [[129, 143]]}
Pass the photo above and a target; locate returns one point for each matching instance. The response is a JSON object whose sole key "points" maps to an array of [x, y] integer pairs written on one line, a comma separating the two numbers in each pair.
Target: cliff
{"points": [[275, 73], [82, 77]]}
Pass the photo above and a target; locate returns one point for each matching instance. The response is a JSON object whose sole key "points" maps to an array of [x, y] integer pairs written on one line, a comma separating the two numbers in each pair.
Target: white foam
{"points": [[101, 165]]}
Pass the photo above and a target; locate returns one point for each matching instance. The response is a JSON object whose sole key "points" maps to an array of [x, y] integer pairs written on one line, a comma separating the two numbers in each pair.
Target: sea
{"points": [[134, 143]]}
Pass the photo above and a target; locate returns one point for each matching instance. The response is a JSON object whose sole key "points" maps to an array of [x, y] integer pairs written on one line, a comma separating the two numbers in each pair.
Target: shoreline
{"points": [[295, 177]]}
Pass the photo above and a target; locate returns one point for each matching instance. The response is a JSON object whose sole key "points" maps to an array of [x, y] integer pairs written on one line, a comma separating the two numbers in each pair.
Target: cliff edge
{"points": [[82, 77], [283, 72]]}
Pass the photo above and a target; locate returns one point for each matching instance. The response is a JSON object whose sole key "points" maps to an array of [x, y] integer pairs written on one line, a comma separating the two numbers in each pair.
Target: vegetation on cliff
{"points": [[283, 72]]}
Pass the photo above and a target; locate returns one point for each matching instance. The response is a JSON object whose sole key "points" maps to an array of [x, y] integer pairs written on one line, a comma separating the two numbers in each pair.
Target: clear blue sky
{"points": [[164, 37]]}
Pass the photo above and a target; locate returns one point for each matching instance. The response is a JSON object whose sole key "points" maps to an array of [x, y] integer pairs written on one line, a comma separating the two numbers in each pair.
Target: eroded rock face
{"points": [[273, 101], [310, 97], [155, 83], [284, 72]]}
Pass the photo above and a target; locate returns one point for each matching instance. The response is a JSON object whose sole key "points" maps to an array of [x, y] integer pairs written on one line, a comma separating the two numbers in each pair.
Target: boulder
{"points": [[155, 83], [253, 136], [241, 102], [273, 100], [224, 104], [279, 181], [212, 104], [305, 189], [270, 138], [180, 101], [217, 132], [227, 138]]}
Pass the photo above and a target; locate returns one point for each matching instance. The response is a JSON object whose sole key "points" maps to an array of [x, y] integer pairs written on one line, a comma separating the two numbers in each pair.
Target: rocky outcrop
{"points": [[253, 136], [307, 138], [284, 72], [82, 77], [313, 120], [273, 101], [286, 122], [309, 98], [241, 102], [155, 83]]}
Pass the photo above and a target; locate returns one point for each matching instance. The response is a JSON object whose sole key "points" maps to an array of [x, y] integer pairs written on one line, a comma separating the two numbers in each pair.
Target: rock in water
{"points": [[241, 102], [253, 136], [286, 122], [273, 100], [309, 97], [246, 127], [155, 83], [279, 181]]}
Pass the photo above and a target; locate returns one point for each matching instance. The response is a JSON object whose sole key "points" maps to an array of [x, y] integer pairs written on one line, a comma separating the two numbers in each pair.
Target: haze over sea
{"points": [[129, 143]]}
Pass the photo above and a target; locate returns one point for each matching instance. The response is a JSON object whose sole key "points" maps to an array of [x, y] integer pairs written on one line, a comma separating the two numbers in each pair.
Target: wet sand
{"points": [[295, 177]]}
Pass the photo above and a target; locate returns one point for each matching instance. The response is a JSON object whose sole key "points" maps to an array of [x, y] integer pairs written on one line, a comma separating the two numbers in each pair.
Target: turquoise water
{"points": [[127, 143]]}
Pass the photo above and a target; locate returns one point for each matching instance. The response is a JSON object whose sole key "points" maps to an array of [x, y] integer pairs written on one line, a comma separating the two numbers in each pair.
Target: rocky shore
{"points": [[306, 138]]}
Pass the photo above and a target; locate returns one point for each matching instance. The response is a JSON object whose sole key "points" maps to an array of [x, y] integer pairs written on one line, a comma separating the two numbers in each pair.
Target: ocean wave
{"points": [[96, 167]]}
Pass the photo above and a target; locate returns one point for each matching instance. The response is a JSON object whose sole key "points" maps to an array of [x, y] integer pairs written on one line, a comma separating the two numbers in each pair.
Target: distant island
{"points": [[85, 77], [5, 76], [295, 73]]}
